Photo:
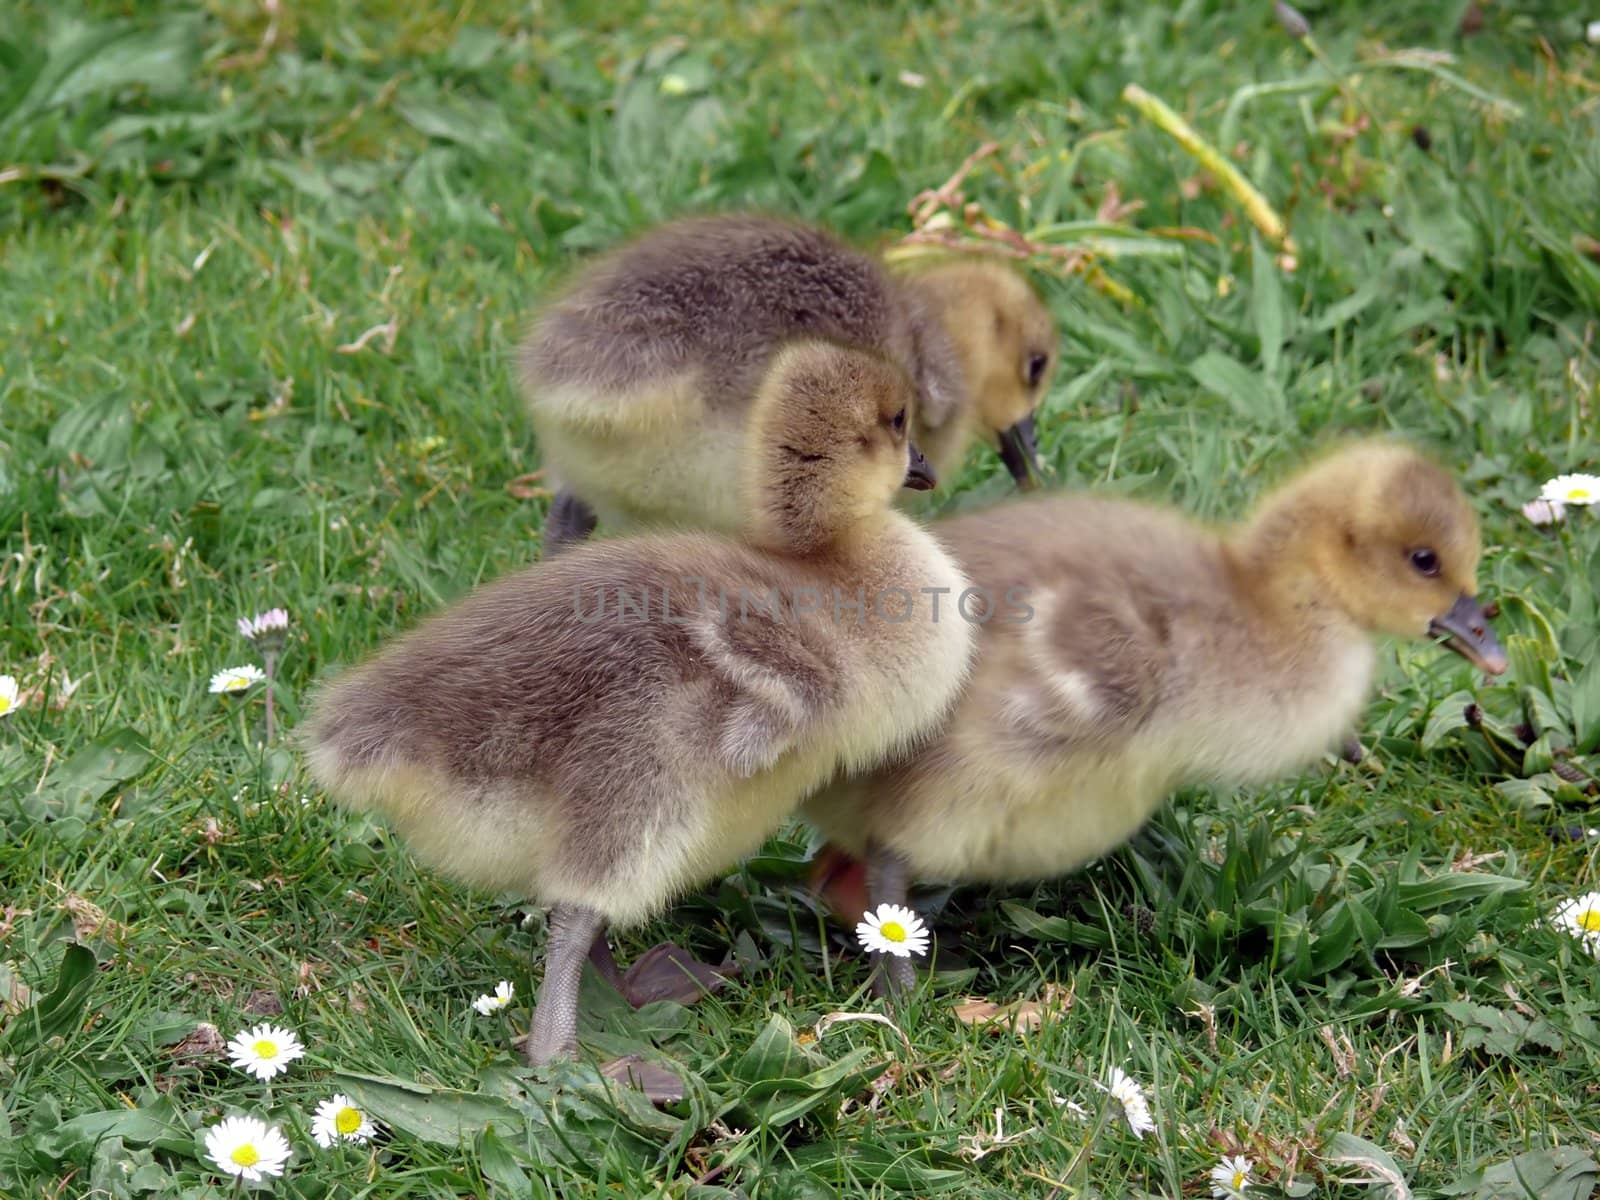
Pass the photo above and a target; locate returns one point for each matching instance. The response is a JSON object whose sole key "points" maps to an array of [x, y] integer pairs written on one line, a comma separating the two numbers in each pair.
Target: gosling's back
{"points": [[713, 296], [631, 694], [1119, 662]]}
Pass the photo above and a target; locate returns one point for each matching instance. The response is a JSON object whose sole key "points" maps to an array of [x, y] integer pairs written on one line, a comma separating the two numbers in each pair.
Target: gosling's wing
{"points": [[775, 678], [1088, 669]]}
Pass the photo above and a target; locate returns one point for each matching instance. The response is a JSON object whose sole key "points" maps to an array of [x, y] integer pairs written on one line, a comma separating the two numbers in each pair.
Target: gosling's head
{"points": [[1007, 345], [830, 444], [1391, 540]]}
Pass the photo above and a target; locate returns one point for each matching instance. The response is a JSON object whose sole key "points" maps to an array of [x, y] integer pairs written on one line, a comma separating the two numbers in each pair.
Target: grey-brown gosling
{"points": [[607, 729], [1130, 651], [639, 375]]}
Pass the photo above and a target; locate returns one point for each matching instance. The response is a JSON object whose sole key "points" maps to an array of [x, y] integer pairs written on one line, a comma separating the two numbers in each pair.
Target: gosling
{"points": [[1127, 651], [639, 376], [611, 728]]}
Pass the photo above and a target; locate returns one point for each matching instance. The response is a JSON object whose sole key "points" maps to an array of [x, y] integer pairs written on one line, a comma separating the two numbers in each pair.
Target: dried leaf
{"points": [[1020, 1016], [388, 331], [14, 994], [204, 1041]]}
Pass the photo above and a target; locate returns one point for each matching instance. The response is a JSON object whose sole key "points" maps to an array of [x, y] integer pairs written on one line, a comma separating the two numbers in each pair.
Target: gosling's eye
{"points": [[899, 421], [1425, 561], [1036, 365]]}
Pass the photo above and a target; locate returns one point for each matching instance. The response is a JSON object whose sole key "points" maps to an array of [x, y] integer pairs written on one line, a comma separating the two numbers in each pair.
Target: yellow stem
{"points": [[1262, 215]]}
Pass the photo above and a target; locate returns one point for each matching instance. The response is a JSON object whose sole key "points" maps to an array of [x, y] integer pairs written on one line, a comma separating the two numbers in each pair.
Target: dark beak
{"points": [[919, 472], [1465, 629], [1020, 452]]}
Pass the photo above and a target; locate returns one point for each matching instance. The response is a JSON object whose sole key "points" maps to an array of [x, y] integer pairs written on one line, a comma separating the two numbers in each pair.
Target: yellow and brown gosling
{"points": [[610, 728], [1130, 650], [640, 373]]}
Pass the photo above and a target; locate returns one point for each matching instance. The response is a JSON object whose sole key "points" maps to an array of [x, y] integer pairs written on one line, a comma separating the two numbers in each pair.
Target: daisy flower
{"points": [[247, 1147], [1572, 489], [1544, 512], [500, 998], [1231, 1176], [1130, 1096], [270, 626], [8, 695], [337, 1119], [236, 679], [1580, 917], [265, 1051], [893, 929]]}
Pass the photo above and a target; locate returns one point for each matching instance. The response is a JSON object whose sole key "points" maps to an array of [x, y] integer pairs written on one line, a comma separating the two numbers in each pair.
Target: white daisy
{"points": [[337, 1119], [265, 1051], [1572, 489], [247, 1147], [1580, 917], [893, 929], [236, 679], [1130, 1096], [1231, 1176], [1544, 512], [8, 695], [274, 620], [500, 998]]}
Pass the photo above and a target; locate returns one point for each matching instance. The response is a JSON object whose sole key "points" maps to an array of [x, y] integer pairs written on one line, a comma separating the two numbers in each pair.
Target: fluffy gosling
{"points": [[605, 730], [1130, 651], [639, 375]]}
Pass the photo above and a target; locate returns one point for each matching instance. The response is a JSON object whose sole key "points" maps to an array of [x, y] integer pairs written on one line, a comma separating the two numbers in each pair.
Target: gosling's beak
{"points": [[919, 472], [1465, 629], [1020, 452]]}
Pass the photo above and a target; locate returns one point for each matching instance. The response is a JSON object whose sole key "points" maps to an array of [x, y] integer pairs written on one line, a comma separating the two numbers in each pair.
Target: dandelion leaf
{"points": [[784, 1081], [1563, 1173], [443, 1116]]}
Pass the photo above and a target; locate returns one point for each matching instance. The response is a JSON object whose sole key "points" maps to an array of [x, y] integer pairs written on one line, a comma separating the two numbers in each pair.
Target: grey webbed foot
{"points": [[1351, 749], [570, 520], [668, 972], [659, 1085], [664, 972], [555, 1017]]}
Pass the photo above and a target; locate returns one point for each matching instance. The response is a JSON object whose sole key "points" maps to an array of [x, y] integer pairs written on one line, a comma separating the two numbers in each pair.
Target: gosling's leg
{"points": [[569, 520], [888, 880], [555, 1018]]}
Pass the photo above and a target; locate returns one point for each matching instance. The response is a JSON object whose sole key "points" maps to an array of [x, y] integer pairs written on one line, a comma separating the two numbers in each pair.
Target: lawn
{"points": [[264, 267]]}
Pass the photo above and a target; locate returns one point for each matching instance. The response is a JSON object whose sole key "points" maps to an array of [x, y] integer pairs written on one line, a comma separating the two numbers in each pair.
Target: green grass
{"points": [[198, 216]]}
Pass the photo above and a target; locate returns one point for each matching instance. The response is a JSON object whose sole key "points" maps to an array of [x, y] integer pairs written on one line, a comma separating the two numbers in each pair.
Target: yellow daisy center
{"points": [[1589, 920], [266, 1049], [893, 931], [246, 1155], [1580, 494], [5, 704], [347, 1121], [1237, 1182]]}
